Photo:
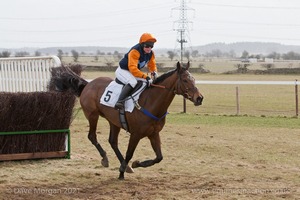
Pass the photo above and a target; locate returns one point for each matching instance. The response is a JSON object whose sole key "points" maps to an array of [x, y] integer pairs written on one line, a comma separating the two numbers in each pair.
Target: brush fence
{"points": [[27, 75]]}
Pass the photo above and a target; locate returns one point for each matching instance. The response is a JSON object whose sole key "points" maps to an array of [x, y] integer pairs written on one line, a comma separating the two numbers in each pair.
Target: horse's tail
{"points": [[67, 79]]}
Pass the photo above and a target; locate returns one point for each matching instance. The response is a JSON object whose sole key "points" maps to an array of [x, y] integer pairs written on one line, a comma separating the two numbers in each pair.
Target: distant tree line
{"points": [[276, 56], [231, 54], [171, 54]]}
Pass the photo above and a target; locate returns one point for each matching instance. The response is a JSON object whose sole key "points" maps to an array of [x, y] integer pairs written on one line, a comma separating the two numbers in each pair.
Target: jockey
{"points": [[129, 70]]}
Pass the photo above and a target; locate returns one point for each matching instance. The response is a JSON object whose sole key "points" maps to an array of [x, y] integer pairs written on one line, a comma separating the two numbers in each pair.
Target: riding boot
{"points": [[127, 89]]}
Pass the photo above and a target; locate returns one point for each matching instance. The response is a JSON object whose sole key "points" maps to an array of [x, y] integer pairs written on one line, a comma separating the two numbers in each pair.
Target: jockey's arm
{"points": [[133, 59], [152, 64]]}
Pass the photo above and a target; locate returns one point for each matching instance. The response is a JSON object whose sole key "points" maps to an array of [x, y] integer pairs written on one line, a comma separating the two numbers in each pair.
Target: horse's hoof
{"points": [[104, 162], [135, 164], [121, 176], [129, 169]]}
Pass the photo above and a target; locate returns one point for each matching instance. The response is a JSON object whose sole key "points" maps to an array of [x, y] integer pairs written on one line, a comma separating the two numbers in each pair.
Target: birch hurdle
{"points": [[29, 74]]}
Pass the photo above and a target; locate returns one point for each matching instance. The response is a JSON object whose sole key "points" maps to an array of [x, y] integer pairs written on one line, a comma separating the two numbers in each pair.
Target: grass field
{"points": [[257, 100], [208, 154]]}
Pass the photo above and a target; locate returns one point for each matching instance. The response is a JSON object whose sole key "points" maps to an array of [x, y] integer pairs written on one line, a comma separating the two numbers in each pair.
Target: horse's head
{"points": [[186, 86]]}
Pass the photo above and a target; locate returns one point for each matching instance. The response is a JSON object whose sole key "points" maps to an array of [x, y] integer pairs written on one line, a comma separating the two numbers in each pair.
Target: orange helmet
{"points": [[147, 37]]}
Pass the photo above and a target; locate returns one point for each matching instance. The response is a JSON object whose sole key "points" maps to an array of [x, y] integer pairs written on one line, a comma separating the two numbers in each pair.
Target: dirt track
{"points": [[199, 162]]}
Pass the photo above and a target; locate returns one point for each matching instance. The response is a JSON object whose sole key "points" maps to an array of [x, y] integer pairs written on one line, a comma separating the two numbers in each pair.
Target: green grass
{"points": [[236, 121]]}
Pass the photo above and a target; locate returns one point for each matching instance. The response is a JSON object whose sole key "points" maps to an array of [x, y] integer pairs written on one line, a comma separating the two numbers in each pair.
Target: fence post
{"points": [[184, 105], [237, 100], [296, 97]]}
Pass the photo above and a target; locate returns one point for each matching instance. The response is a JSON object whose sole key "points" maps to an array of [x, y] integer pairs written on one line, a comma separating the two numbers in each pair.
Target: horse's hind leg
{"points": [[93, 120]]}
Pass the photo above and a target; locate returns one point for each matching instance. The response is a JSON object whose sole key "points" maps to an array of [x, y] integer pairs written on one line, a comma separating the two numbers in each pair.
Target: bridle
{"points": [[180, 88]]}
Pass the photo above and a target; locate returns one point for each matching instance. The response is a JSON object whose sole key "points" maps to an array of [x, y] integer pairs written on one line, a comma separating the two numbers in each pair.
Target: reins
{"points": [[146, 112], [164, 87], [161, 86], [158, 86]]}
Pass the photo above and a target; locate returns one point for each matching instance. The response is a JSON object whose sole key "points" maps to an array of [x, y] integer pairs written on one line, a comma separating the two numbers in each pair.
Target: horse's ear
{"points": [[178, 66], [187, 65]]}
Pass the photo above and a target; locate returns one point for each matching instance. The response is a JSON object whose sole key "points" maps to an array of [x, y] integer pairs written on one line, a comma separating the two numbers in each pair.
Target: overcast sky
{"points": [[119, 23]]}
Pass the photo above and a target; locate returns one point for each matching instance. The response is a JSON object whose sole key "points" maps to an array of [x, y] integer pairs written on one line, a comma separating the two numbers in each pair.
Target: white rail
{"points": [[26, 74]]}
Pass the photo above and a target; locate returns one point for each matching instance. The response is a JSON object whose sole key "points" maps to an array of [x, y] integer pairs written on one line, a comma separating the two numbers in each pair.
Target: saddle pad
{"points": [[112, 93]]}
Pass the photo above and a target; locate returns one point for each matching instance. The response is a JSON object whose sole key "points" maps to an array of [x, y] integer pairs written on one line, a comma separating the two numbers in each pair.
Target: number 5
{"points": [[107, 96]]}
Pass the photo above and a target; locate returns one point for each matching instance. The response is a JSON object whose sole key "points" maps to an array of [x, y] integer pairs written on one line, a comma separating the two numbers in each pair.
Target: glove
{"points": [[149, 81], [154, 75]]}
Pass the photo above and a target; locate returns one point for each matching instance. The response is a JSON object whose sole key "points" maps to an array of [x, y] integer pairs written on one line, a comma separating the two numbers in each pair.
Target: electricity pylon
{"points": [[182, 29], [182, 26]]}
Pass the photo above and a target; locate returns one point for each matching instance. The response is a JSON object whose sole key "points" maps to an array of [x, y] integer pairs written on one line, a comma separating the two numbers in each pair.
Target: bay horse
{"points": [[155, 100]]}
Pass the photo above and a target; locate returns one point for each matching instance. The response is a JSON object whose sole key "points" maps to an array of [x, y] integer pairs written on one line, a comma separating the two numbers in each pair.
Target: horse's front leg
{"points": [[133, 142], [93, 120], [156, 145], [113, 141]]}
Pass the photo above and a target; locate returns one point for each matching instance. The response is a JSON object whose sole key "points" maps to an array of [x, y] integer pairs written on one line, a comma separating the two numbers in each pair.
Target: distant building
{"points": [[253, 60], [249, 60], [269, 60]]}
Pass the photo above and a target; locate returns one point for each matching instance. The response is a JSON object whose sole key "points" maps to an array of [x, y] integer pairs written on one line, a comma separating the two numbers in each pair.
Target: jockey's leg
{"points": [[130, 82], [127, 89]]}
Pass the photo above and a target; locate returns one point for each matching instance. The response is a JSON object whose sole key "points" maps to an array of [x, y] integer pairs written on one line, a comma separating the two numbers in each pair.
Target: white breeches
{"points": [[126, 77]]}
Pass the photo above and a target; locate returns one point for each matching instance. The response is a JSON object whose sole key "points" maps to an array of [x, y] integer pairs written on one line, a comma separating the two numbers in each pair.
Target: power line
{"points": [[248, 6], [104, 28], [102, 14], [249, 23]]}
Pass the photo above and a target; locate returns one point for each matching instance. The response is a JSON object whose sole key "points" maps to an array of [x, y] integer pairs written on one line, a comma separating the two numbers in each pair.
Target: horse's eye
{"points": [[185, 81]]}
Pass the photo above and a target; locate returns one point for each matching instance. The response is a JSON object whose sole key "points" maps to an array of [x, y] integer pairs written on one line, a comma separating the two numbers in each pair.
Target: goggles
{"points": [[148, 45]]}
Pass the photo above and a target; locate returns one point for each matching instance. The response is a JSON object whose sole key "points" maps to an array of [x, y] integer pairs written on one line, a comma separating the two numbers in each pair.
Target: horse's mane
{"points": [[164, 76]]}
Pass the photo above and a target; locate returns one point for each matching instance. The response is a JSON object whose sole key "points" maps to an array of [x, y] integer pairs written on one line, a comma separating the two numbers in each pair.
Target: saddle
{"points": [[113, 90], [111, 95]]}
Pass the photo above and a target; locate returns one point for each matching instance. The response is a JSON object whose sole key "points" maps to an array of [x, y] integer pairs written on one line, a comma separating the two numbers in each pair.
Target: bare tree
{"points": [[171, 55], [195, 53], [75, 55], [109, 62], [245, 54], [242, 68], [37, 53], [60, 54], [187, 54], [117, 56], [5, 54], [268, 65], [274, 55], [21, 54]]}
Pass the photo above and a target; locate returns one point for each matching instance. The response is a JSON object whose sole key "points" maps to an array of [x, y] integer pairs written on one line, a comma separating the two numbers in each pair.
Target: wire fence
{"points": [[255, 98]]}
